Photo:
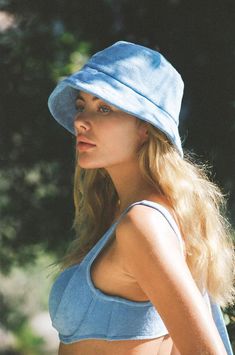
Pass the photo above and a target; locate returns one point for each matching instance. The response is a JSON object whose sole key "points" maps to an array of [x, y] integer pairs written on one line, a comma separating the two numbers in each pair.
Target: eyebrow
{"points": [[94, 98]]}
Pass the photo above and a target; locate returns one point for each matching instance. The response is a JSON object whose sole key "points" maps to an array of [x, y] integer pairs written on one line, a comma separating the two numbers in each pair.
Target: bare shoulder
{"points": [[152, 255], [145, 225]]}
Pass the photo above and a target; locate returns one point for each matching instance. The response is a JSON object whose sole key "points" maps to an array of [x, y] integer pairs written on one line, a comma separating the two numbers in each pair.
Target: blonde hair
{"points": [[198, 203]]}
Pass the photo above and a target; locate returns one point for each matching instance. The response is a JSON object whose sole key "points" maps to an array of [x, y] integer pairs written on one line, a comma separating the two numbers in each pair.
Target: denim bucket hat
{"points": [[133, 78]]}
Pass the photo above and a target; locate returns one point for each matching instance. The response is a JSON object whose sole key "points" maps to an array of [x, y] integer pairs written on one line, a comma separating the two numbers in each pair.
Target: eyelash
{"points": [[100, 106]]}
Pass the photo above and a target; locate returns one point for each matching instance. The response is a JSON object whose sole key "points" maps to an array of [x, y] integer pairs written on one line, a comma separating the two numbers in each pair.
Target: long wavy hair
{"points": [[199, 204]]}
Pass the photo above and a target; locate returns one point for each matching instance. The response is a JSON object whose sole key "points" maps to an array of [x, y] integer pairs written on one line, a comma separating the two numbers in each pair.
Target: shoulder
{"points": [[151, 254], [147, 227]]}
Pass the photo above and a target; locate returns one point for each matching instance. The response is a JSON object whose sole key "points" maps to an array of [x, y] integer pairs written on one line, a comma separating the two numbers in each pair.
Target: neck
{"points": [[130, 185]]}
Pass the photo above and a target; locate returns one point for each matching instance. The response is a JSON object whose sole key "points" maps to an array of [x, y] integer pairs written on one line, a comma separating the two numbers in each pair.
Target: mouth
{"points": [[82, 146]]}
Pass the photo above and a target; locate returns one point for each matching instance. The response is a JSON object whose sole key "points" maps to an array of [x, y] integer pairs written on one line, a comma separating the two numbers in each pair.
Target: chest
{"points": [[109, 275]]}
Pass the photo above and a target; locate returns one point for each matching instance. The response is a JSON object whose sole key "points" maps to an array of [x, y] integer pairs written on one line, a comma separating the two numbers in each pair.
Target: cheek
{"points": [[113, 150], [123, 143]]}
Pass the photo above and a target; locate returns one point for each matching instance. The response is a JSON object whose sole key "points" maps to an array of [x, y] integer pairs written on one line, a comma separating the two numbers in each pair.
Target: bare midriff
{"points": [[159, 346]]}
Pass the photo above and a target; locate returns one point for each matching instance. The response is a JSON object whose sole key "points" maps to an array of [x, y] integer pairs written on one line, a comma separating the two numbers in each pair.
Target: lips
{"points": [[84, 144], [83, 139]]}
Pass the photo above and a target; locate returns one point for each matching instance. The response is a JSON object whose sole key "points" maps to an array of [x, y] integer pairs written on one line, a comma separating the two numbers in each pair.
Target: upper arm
{"points": [[152, 255]]}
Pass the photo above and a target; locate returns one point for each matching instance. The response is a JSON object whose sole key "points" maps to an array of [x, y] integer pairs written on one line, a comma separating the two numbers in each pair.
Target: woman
{"points": [[152, 249]]}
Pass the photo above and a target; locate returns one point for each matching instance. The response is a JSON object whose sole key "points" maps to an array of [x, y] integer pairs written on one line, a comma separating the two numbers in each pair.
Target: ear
{"points": [[143, 132]]}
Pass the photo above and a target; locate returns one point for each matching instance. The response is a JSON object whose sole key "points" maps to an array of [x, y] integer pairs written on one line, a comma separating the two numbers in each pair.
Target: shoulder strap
{"points": [[163, 211], [216, 310], [220, 324], [96, 249]]}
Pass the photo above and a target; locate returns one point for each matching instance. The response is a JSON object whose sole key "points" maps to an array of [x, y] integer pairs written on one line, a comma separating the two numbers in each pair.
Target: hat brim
{"points": [[61, 102]]}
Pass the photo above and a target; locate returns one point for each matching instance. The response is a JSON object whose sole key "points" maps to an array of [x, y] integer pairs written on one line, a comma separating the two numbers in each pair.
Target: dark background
{"points": [[48, 40]]}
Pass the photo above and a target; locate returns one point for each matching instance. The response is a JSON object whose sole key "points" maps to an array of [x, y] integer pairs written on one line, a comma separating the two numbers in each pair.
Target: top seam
{"points": [[100, 294]]}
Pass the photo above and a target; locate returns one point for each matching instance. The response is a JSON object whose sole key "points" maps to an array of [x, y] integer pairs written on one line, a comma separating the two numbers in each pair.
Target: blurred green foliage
{"points": [[24, 296], [27, 342], [50, 39]]}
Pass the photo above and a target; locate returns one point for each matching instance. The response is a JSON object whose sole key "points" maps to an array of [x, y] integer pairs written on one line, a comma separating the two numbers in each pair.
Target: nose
{"points": [[81, 124]]}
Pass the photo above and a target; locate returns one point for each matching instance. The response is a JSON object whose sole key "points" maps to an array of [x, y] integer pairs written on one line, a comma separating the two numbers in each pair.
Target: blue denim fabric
{"points": [[81, 311], [135, 79], [219, 321]]}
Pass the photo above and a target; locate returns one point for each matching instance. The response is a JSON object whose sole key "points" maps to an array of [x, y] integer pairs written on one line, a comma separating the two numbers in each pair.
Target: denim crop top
{"points": [[81, 311]]}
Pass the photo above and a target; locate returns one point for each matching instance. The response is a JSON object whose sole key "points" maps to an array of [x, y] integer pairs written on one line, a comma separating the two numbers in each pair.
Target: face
{"points": [[106, 136]]}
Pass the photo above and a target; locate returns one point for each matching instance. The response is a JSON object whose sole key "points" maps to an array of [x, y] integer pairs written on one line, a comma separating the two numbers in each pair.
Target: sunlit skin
{"points": [[115, 133], [117, 137]]}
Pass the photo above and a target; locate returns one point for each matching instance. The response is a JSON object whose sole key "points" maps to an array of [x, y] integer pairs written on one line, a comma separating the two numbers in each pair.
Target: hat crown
{"points": [[145, 71], [133, 78]]}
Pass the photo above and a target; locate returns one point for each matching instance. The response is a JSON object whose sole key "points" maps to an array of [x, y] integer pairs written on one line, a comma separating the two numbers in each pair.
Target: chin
{"points": [[89, 165]]}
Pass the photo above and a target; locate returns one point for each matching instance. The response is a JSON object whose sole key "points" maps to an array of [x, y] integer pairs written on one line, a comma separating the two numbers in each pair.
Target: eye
{"points": [[79, 108], [104, 109]]}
